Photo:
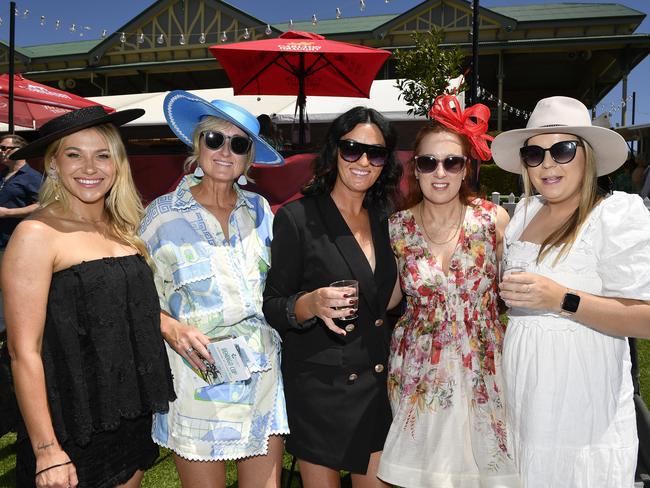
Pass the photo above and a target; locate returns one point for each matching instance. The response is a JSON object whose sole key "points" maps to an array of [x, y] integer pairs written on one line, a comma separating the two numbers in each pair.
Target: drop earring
{"points": [[242, 181], [198, 172], [52, 174]]}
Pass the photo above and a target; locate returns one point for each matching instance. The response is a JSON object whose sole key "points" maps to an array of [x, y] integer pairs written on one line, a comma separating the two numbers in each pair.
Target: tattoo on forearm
{"points": [[43, 446]]}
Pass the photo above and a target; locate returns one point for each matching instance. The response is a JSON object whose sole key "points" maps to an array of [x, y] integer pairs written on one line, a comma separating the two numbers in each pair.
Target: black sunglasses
{"points": [[352, 151], [8, 148], [562, 152], [451, 164], [238, 144]]}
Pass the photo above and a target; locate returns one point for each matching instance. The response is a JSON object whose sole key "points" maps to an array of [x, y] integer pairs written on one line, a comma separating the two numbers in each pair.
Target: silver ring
{"points": [[189, 350]]}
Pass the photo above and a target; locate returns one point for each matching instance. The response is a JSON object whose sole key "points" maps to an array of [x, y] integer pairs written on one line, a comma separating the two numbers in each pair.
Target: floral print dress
{"points": [[444, 378]]}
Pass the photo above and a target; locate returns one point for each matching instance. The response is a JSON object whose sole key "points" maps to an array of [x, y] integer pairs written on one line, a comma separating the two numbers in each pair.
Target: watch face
{"points": [[570, 302]]}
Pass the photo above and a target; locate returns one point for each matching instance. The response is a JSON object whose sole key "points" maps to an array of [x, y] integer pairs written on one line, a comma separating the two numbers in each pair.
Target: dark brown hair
{"points": [[384, 193]]}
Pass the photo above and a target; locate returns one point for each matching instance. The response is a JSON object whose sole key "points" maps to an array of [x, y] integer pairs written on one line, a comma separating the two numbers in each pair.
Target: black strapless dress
{"points": [[106, 370]]}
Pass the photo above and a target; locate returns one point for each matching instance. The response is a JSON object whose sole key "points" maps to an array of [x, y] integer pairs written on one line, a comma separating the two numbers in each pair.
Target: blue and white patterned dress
{"points": [[215, 284]]}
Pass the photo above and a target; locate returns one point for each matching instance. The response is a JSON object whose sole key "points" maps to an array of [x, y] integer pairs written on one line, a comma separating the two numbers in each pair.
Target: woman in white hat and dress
{"points": [[577, 283], [210, 241]]}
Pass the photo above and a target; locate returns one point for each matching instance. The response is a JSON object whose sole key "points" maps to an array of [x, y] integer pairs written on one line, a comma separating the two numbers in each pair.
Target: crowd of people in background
{"points": [[207, 325]]}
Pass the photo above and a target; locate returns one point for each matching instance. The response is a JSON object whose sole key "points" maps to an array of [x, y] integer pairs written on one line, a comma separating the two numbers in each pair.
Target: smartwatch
{"points": [[570, 304]]}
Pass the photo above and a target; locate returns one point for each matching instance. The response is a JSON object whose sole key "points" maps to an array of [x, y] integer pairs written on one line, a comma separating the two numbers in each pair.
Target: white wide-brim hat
{"points": [[561, 115]]}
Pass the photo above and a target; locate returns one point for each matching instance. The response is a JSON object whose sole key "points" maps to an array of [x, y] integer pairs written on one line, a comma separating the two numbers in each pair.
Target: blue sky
{"points": [[92, 17]]}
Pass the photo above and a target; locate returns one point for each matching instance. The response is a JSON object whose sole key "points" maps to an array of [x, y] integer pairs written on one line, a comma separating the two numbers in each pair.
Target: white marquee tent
{"points": [[384, 97]]}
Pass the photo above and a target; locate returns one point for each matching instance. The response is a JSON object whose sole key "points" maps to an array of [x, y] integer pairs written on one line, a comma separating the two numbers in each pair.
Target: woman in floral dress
{"points": [[444, 373]]}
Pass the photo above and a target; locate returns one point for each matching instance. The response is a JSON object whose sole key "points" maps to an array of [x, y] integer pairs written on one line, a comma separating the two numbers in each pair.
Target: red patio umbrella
{"points": [[35, 104], [300, 63]]}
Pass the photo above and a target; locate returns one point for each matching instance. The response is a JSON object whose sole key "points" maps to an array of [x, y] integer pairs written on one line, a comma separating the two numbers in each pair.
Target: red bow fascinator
{"points": [[471, 122]]}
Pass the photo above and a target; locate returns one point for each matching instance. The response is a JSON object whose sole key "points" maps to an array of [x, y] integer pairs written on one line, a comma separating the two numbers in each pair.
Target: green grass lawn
{"points": [[163, 474], [643, 356], [7, 461]]}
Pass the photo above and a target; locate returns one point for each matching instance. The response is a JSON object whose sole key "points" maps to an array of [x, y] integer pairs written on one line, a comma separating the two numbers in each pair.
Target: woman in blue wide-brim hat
{"points": [[210, 241]]}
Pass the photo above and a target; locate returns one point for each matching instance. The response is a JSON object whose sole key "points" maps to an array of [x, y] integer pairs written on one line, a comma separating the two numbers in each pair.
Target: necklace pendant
{"points": [[456, 231]]}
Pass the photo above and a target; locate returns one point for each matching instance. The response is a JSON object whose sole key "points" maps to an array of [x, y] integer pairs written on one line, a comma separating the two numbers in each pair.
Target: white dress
{"points": [[569, 393]]}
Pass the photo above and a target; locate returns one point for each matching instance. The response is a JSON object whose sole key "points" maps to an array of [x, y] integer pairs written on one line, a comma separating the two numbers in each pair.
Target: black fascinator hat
{"points": [[71, 122]]}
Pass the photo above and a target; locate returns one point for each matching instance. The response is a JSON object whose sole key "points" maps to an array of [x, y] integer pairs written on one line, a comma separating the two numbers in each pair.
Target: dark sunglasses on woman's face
{"points": [[352, 151], [451, 164], [215, 139], [562, 152]]}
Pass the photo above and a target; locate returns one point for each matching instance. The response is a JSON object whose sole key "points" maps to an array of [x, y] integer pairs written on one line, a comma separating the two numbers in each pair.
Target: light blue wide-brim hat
{"points": [[183, 112]]}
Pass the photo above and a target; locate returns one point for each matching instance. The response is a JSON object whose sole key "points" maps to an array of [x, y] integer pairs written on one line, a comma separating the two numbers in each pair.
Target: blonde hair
{"points": [[122, 202], [565, 235], [214, 123]]}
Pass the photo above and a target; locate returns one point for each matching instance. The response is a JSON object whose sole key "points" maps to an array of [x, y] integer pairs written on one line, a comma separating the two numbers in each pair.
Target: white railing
{"points": [[509, 202]]}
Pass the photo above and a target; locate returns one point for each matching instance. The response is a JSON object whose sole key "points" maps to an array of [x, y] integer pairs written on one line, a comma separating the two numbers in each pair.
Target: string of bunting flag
{"points": [[486, 95], [615, 107], [83, 30]]}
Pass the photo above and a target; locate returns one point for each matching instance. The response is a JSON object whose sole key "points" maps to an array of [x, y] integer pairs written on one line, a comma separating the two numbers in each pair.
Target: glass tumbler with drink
{"points": [[353, 295], [513, 266]]}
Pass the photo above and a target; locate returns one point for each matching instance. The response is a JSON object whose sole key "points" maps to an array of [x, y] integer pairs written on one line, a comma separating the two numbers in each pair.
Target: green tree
{"points": [[425, 70]]}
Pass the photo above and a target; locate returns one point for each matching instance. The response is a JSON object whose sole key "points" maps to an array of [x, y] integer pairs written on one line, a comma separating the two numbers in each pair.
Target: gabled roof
{"points": [[20, 51], [80, 48], [151, 12], [61, 49], [565, 11], [342, 25], [349, 25]]}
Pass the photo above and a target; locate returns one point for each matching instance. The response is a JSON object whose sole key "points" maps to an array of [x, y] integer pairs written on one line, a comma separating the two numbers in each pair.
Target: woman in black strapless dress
{"points": [[82, 311]]}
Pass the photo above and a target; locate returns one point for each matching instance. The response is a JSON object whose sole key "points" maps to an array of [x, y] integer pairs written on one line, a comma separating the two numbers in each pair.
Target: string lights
{"points": [[180, 39]]}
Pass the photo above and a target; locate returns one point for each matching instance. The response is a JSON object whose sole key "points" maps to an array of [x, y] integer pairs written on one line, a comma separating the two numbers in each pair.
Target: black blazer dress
{"points": [[337, 401]]}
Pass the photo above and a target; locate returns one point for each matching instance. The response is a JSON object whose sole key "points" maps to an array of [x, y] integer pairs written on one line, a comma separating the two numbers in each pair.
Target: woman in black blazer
{"points": [[334, 371]]}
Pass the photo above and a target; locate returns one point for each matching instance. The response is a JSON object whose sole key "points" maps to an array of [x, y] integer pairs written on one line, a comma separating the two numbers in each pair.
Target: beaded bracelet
{"points": [[52, 467]]}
